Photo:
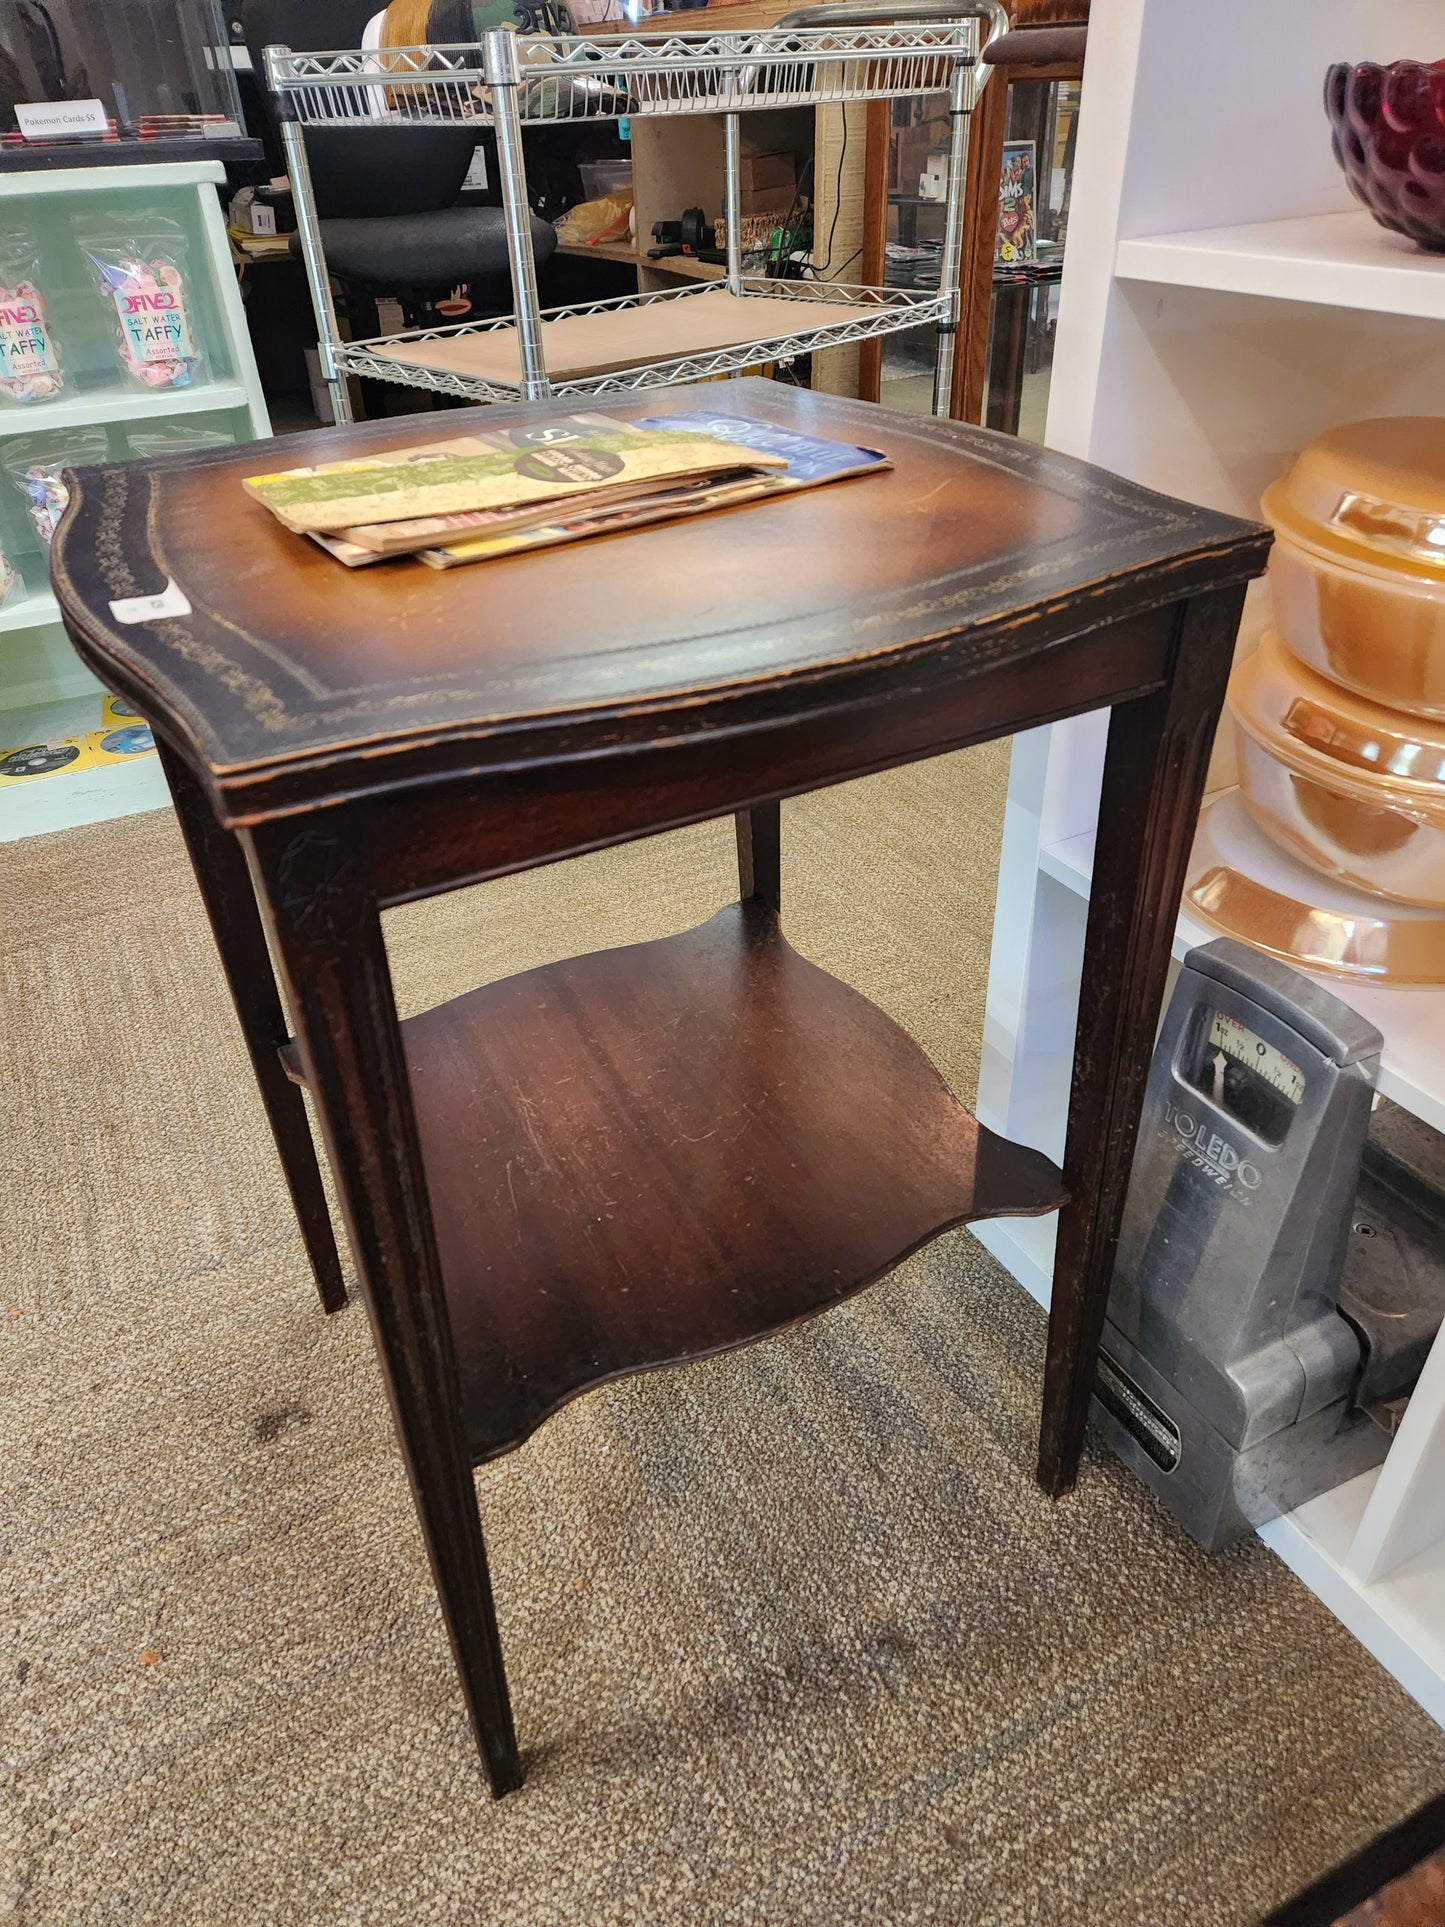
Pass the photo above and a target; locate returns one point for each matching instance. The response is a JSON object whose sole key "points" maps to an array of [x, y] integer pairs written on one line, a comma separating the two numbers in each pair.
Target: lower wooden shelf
{"points": [[621, 251], [651, 1154]]}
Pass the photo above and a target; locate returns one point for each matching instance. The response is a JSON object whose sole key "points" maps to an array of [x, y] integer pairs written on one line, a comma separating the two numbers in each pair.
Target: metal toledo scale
{"points": [[1270, 1304]]}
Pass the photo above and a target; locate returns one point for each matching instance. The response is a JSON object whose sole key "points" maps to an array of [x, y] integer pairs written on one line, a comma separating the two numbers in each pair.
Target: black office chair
{"points": [[387, 196]]}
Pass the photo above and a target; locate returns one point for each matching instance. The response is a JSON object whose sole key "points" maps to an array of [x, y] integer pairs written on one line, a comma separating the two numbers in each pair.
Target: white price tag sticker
{"points": [[170, 601], [54, 120]]}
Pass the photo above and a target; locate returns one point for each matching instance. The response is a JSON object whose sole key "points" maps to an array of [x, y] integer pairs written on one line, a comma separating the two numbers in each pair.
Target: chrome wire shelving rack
{"points": [[836, 54]]}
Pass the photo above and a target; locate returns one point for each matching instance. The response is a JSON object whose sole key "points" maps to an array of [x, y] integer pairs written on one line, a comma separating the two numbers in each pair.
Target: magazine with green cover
{"points": [[513, 468], [570, 522], [694, 498], [416, 532]]}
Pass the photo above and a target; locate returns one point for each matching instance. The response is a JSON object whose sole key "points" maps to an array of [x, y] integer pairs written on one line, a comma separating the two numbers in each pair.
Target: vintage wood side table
{"points": [[669, 1149]]}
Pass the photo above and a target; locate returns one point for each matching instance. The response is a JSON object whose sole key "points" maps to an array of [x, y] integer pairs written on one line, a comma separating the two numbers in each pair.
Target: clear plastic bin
{"points": [[605, 177]]}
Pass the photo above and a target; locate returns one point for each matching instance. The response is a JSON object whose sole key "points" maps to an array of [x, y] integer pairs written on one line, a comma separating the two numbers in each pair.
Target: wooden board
{"points": [[839, 152], [619, 251], [591, 344]]}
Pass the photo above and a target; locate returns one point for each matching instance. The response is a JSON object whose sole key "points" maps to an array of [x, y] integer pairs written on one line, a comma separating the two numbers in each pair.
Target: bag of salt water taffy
{"points": [[29, 357], [139, 268], [34, 464]]}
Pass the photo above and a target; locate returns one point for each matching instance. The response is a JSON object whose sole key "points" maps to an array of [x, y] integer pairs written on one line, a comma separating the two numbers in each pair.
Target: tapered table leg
{"points": [[323, 918], [225, 886], [1154, 771], [760, 854]]}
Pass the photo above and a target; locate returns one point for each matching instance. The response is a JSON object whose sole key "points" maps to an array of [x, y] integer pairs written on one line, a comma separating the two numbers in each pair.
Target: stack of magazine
{"points": [[534, 484]]}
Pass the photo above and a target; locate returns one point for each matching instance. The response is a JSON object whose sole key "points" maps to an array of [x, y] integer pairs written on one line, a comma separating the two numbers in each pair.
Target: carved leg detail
{"points": [[323, 918], [225, 886], [1154, 773]]}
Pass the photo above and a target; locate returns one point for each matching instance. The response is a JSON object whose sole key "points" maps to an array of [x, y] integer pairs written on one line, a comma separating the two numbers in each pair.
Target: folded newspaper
{"points": [[536, 484]]}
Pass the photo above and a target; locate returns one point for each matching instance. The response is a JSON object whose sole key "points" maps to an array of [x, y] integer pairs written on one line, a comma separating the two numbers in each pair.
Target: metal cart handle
{"points": [[900, 13]]}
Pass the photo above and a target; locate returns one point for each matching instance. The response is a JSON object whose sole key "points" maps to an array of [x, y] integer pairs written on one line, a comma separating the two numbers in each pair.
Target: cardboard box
{"points": [[769, 183], [768, 171], [767, 200]]}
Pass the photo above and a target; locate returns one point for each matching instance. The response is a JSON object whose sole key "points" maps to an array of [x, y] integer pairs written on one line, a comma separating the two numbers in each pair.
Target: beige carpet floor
{"points": [[793, 1636]]}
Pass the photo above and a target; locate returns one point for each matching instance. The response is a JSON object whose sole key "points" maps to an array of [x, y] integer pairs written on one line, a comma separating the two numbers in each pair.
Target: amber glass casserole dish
{"points": [[1358, 568]]}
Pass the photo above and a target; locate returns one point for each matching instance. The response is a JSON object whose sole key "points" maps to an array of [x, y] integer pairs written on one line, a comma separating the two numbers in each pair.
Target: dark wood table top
{"points": [[291, 681]]}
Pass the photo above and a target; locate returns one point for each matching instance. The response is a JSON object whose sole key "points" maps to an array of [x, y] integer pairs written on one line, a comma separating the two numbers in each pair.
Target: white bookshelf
{"points": [[1335, 260], [1224, 301]]}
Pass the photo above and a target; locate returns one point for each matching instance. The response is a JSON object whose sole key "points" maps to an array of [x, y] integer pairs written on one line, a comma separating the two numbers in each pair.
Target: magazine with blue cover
{"points": [[810, 459]]}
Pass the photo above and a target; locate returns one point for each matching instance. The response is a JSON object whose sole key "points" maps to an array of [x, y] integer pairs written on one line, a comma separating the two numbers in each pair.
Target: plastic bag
{"points": [[34, 466], [139, 266], [29, 357], [177, 439], [590, 220], [9, 576]]}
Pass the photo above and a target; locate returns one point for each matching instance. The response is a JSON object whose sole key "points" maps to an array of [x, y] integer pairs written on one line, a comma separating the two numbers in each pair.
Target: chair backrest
{"points": [[363, 171]]}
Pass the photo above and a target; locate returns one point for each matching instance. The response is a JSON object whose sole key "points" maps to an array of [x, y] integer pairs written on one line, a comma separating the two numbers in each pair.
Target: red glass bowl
{"points": [[1389, 136]]}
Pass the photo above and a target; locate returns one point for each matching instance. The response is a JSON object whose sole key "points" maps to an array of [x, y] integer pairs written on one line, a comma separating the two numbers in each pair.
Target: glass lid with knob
{"points": [[1370, 492]]}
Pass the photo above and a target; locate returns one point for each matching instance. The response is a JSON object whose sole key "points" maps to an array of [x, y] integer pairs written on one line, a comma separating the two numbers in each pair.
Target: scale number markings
{"points": [[1277, 1070]]}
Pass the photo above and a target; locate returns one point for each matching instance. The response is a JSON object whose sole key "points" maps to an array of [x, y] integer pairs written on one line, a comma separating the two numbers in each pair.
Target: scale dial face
{"points": [[1242, 1044], [1247, 1077]]}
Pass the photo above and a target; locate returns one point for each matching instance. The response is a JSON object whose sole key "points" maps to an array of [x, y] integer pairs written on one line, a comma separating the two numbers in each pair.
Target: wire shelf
{"points": [[574, 79], [845, 314], [507, 81]]}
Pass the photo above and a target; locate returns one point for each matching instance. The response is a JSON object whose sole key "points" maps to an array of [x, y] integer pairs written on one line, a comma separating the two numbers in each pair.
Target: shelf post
{"points": [[504, 77], [308, 227], [732, 192]]}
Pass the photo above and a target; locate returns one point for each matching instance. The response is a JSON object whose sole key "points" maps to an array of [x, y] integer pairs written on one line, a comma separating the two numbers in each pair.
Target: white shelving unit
{"points": [[1334, 260], [45, 691], [1224, 301]]}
